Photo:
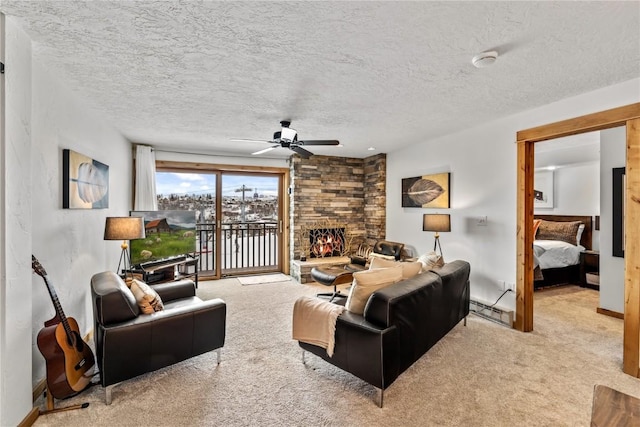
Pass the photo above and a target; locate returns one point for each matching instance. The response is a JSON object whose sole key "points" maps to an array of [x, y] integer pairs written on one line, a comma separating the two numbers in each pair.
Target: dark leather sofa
{"points": [[400, 323], [129, 343]]}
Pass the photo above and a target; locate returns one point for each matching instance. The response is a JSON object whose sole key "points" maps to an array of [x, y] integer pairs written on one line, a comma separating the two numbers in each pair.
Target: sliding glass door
{"points": [[238, 216], [250, 233]]}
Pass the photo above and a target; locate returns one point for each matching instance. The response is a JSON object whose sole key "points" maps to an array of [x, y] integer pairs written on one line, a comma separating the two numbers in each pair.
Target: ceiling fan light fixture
{"points": [[484, 59], [288, 134]]}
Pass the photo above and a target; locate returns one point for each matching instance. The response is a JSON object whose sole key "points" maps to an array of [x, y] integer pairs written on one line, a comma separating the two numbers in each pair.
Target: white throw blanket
{"points": [[314, 322]]}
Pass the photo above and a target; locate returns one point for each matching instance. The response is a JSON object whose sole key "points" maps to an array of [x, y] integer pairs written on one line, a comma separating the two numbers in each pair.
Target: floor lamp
{"points": [[124, 228], [438, 223]]}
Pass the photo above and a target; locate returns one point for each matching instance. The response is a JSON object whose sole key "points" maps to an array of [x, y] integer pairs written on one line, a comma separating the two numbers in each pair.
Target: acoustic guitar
{"points": [[68, 358]]}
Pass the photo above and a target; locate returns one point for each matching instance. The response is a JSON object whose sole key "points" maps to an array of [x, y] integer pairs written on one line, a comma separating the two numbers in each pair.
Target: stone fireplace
{"points": [[335, 192], [326, 242]]}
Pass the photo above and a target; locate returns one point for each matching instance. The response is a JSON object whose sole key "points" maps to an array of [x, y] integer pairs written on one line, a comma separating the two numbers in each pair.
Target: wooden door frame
{"points": [[283, 206], [628, 116]]}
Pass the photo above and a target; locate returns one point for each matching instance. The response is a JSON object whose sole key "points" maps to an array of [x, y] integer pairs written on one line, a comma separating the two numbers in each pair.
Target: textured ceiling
{"points": [[190, 76]]}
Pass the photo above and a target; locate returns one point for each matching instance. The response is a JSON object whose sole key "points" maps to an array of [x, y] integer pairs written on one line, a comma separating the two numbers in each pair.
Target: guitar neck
{"points": [[57, 306]]}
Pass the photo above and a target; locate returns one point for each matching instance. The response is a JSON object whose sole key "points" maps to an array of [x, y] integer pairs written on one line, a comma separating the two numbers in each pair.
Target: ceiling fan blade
{"points": [[303, 153], [320, 142], [251, 140], [273, 147]]}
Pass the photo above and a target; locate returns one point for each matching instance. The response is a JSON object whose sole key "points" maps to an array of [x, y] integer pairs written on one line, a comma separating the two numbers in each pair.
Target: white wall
{"points": [[576, 192], [15, 236], [43, 117], [69, 242], [482, 162], [612, 155]]}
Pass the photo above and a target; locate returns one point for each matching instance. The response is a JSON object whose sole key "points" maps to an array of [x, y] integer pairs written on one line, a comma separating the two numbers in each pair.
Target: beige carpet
{"points": [[483, 374]]}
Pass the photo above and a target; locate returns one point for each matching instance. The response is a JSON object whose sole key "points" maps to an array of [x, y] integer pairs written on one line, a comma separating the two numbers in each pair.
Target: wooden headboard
{"points": [[587, 235]]}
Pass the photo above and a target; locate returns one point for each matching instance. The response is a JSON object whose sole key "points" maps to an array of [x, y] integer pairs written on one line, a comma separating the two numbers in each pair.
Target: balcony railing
{"points": [[245, 247]]}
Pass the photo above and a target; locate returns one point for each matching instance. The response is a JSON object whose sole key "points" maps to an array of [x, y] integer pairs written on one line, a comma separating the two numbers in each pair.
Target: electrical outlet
{"points": [[511, 286], [482, 221]]}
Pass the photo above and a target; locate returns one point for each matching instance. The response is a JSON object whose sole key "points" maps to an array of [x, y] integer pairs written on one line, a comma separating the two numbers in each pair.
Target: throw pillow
{"points": [[563, 231], [367, 282], [430, 260], [409, 269], [373, 255], [382, 263], [148, 300]]}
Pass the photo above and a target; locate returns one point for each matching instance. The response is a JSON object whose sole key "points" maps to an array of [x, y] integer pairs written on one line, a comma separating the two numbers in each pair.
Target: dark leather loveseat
{"points": [[400, 323], [129, 343]]}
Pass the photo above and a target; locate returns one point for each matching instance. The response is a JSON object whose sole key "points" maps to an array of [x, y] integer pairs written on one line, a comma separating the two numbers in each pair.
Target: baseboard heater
{"points": [[493, 313]]}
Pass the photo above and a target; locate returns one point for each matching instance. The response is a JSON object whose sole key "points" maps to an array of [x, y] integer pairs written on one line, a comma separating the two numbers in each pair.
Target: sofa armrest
{"points": [[363, 349], [171, 291]]}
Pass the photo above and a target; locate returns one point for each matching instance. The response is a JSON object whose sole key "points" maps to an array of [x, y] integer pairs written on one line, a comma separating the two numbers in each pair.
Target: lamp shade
{"points": [[124, 228], [436, 222]]}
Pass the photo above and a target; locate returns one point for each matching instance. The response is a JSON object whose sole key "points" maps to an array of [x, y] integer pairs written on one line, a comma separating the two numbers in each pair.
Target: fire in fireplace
{"points": [[326, 242]]}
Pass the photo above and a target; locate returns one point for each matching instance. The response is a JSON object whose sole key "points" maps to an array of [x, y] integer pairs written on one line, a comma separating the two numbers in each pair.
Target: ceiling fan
{"points": [[288, 138]]}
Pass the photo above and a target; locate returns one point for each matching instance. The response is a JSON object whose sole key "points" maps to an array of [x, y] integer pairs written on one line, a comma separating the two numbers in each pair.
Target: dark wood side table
{"points": [[590, 269]]}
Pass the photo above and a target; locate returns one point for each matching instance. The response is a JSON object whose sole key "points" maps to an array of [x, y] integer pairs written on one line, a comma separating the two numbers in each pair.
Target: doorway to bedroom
{"points": [[629, 117], [567, 197]]}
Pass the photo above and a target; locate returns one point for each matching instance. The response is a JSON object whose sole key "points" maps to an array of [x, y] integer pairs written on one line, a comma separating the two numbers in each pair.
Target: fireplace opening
{"points": [[326, 242]]}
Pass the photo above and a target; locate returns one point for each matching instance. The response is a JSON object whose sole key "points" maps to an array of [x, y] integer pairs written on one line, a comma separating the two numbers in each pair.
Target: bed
{"points": [[557, 261]]}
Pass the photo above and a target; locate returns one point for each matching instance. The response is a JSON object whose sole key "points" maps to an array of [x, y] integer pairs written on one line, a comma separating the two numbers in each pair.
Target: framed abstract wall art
{"points": [[427, 191], [85, 182]]}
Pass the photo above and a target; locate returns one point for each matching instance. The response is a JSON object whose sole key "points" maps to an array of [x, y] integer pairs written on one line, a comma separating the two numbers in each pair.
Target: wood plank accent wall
{"points": [[348, 190], [631, 340]]}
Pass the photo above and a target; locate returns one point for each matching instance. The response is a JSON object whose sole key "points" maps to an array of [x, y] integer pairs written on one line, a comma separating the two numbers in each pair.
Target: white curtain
{"points": [[145, 191]]}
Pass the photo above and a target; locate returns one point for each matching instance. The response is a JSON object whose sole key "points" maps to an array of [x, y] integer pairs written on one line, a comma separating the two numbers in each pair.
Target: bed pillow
{"points": [[367, 282], [579, 234], [563, 231], [536, 225], [148, 300]]}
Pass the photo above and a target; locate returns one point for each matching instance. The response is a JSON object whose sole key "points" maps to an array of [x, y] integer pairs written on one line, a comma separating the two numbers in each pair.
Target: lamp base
{"points": [[436, 244], [125, 261]]}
